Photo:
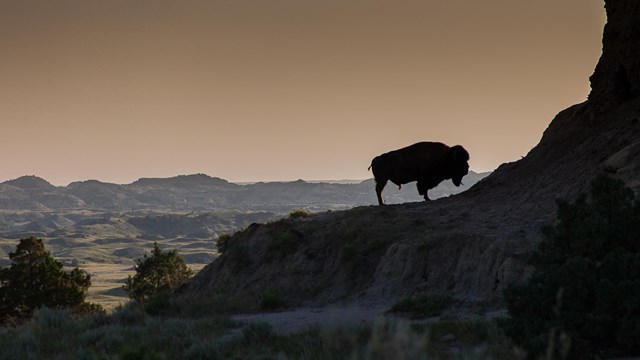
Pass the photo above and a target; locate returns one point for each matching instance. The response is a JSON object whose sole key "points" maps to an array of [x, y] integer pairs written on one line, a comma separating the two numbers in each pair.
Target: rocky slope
{"points": [[470, 245]]}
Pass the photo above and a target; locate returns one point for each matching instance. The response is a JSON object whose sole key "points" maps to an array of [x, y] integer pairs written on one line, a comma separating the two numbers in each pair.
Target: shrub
{"points": [[298, 214], [128, 333], [257, 332], [128, 314], [54, 320], [159, 304], [140, 353], [392, 339], [162, 272], [422, 305], [271, 300], [583, 300], [222, 243], [202, 351]]}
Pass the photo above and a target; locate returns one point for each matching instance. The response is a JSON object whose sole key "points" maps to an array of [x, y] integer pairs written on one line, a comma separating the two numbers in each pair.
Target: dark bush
{"points": [[271, 300], [162, 272], [422, 305], [35, 279], [222, 243], [298, 214], [583, 300]]}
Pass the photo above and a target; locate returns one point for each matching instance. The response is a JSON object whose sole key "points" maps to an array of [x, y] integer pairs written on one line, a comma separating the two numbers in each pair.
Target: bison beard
{"points": [[428, 163]]}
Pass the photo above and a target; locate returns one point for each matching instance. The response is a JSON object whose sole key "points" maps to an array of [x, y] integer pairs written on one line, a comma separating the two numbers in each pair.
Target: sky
{"points": [[280, 90]]}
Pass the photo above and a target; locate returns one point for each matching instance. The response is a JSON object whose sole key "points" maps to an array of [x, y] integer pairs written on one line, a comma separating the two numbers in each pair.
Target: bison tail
{"points": [[372, 161]]}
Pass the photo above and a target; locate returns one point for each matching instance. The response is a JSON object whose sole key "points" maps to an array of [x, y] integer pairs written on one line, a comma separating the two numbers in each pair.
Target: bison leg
{"points": [[379, 186], [422, 190]]}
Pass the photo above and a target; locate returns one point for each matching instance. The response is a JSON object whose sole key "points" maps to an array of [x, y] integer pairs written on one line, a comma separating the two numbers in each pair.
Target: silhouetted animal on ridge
{"points": [[428, 163]]}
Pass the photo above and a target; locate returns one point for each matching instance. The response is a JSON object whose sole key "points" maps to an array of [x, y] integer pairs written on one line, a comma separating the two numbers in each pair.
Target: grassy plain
{"points": [[107, 244], [107, 280], [110, 259]]}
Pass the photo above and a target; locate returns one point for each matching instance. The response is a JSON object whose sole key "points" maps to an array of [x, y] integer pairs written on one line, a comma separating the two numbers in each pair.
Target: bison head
{"points": [[458, 159]]}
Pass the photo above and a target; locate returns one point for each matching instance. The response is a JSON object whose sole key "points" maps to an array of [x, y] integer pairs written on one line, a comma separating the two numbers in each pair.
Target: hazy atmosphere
{"points": [[281, 89]]}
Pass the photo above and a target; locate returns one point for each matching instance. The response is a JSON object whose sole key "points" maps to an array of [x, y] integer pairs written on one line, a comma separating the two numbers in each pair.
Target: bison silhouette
{"points": [[428, 163]]}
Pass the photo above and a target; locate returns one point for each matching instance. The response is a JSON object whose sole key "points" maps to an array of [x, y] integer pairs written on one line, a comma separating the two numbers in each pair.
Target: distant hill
{"points": [[31, 182], [101, 222], [203, 192]]}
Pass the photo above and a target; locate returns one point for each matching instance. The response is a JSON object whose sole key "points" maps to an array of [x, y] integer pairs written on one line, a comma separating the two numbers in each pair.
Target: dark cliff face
{"points": [[616, 78], [601, 133]]}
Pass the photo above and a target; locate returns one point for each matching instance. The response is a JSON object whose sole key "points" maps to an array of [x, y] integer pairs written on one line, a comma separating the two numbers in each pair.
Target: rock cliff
{"points": [[470, 245], [616, 78]]}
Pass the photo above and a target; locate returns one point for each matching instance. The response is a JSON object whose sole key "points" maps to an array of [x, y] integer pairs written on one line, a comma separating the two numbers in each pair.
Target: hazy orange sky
{"points": [[251, 90]]}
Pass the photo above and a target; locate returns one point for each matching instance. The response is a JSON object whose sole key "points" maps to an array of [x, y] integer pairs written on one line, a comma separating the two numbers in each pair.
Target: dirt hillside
{"points": [[470, 245]]}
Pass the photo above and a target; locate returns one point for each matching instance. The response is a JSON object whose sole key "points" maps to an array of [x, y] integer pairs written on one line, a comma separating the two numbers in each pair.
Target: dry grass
{"points": [[106, 283], [107, 280]]}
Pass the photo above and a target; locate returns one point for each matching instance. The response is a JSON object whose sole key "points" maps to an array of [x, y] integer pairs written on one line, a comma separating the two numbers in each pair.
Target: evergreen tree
{"points": [[583, 299], [162, 272], [35, 279]]}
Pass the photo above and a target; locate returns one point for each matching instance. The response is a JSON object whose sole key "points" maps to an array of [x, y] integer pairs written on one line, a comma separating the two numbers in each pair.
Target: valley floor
{"points": [[107, 281]]}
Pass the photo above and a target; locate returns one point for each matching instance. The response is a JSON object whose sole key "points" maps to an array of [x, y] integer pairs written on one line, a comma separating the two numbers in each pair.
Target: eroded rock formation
{"points": [[616, 78]]}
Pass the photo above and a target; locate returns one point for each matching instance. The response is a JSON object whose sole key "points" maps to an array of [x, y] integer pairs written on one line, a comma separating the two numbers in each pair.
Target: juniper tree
{"points": [[35, 279], [583, 299], [161, 272]]}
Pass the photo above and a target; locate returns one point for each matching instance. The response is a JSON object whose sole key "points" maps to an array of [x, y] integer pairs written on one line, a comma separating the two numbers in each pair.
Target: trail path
{"points": [[300, 319]]}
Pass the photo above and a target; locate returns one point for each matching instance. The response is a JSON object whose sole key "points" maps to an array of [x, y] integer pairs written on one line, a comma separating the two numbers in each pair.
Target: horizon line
{"points": [[238, 182]]}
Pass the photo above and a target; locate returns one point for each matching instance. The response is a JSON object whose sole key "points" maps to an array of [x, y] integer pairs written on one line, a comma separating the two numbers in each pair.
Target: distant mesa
{"points": [[88, 183], [31, 182], [181, 180], [203, 192]]}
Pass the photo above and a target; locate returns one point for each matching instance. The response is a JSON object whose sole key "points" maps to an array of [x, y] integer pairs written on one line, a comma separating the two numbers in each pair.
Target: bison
{"points": [[428, 163]]}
